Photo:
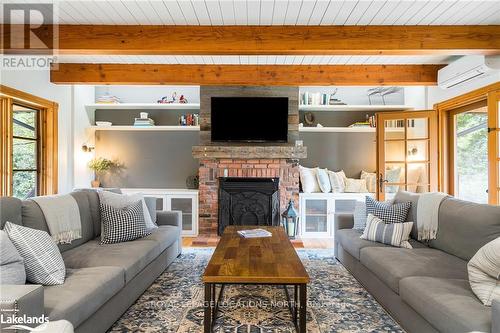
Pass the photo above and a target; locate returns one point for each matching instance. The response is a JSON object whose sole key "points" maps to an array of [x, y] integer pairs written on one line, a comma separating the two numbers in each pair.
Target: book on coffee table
{"points": [[254, 233]]}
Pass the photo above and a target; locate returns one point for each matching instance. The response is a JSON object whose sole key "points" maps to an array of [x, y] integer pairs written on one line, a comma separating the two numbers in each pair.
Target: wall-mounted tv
{"points": [[249, 119]]}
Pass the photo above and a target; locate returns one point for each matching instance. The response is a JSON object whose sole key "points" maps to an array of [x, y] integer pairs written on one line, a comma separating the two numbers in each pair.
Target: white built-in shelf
{"points": [[90, 108], [145, 128], [337, 129], [366, 108]]}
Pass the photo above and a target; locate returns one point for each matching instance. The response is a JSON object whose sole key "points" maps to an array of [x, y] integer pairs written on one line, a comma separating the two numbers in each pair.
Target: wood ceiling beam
{"points": [[248, 75], [272, 40]]}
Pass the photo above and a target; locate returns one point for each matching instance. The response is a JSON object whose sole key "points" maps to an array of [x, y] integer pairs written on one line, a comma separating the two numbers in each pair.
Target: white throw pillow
{"points": [[484, 272], [337, 181], [323, 180], [42, 260], [371, 180], [308, 180], [121, 201], [355, 186]]}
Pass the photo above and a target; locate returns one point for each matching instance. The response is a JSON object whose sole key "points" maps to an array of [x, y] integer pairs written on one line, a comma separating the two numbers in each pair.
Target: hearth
{"points": [[248, 201]]}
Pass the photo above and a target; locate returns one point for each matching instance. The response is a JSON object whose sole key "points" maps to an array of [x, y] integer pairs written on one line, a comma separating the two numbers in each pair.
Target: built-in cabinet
{"points": [[182, 200], [317, 211]]}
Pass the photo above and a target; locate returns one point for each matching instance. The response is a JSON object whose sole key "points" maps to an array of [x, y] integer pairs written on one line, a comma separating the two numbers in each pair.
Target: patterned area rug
{"points": [[336, 302]]}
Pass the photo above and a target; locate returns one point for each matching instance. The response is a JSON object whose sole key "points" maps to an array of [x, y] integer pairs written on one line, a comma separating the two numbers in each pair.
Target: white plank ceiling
{"points": [[254, 60], [274, 12]]}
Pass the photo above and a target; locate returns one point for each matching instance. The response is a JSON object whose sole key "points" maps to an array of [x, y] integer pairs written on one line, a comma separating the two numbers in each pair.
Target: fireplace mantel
{"points": [[291, 152]]}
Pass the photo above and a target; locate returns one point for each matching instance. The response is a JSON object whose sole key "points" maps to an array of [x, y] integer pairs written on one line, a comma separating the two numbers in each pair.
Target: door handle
{"points": [[381, 182]]}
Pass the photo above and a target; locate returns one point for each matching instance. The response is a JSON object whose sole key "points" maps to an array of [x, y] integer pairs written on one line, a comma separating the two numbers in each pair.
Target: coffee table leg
{"points": [[302, 309], [207, 320], [295, 303]]}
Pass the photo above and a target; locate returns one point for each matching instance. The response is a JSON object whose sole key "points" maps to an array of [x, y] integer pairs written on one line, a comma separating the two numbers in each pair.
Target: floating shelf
{"points": [[337, 129], [90, 108], [366, 108], [144, 128]]}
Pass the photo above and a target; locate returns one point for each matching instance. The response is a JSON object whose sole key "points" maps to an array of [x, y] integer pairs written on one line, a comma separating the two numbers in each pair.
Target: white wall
{"points": [[82, 135]]}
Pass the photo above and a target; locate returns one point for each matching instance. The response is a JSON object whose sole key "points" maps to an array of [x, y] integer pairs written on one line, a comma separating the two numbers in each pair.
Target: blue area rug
{"points": [[336, 301]]}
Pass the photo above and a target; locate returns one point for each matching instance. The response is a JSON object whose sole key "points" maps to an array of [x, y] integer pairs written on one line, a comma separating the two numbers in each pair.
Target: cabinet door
{"points": [[187, 205], [316, 217]]}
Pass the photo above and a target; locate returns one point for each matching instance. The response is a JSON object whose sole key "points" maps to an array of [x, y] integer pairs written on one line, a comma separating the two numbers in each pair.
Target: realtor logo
{"points": [[29, 35]]}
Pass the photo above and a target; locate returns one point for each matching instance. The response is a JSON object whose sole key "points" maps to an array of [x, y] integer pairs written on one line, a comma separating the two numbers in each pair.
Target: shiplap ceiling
{"points": [[255, 60], [274, 12]]}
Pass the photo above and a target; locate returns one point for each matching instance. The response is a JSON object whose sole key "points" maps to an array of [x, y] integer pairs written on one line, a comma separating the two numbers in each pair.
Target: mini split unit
{"points": [[466, 69]]}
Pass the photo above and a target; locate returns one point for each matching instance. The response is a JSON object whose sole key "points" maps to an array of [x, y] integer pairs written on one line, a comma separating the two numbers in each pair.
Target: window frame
{"points": [[46, 134]]}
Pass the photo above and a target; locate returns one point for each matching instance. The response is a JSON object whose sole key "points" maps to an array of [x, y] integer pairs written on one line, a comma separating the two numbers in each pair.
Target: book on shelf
{"points": [[189, 120], [144, 122], [361, 124], [254, 233]]}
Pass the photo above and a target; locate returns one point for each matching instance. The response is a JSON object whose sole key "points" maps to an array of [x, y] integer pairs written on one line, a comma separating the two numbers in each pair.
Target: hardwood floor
{"points": [[309, 243]]}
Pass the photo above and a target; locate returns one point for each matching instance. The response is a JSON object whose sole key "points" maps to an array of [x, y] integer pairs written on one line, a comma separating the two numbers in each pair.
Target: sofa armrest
{"points": [[20, 300], [173, 217], [343, 221], [495, 316]]}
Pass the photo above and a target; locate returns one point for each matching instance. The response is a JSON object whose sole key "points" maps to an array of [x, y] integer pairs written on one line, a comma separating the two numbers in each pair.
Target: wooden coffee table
{"points": [[266, 261]]}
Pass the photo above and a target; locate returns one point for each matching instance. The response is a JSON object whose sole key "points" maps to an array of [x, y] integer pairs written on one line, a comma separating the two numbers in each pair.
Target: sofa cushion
{"points": [[447, 304], [392, 264], [164, 236], [84, 291], [11, 210], [131, 256], [465, 227]]}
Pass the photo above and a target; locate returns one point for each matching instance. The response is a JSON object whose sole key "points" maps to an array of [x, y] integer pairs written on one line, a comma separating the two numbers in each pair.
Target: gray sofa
{"points": [[426, 289], [102, 281]]}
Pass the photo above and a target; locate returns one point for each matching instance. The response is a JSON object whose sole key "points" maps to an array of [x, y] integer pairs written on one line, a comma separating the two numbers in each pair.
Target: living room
{"points": [[244, 166]]}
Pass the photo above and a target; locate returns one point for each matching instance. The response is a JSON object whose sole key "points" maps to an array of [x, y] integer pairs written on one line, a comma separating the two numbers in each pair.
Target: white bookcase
{"points": [[317, 211], [185, 201]]}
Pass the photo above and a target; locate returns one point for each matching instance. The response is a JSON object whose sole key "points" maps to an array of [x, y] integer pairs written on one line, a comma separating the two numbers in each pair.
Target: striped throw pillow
{"points": [[484, 272], [395, 234], [386, 211]]}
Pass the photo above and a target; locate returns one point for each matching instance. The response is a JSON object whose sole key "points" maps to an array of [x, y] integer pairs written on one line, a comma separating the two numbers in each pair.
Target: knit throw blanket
{"points": [[428, 214], [62, 216]]}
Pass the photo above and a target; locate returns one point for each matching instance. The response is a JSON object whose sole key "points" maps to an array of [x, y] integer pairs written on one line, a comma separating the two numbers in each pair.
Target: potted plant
{"points": [[99, 165]]}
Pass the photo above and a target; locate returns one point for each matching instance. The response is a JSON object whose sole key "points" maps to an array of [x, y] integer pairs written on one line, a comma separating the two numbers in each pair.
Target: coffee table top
{"points": [[265, 260]]}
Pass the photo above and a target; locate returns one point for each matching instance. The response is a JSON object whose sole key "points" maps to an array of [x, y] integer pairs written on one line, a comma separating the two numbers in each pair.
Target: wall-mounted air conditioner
{"points": [[466, 69]]}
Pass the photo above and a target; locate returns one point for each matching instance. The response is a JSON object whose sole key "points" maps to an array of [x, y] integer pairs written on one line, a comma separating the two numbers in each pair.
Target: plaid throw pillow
{"points": [[388, 212], [395, 234], [122, 224]]}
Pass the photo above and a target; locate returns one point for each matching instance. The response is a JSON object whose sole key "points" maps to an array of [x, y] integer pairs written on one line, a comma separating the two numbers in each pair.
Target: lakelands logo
{"points": [[29, 36], [12, 322]]}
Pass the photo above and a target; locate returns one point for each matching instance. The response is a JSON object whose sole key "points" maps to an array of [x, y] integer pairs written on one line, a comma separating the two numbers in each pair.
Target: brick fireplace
{"points": [[252, 160]]}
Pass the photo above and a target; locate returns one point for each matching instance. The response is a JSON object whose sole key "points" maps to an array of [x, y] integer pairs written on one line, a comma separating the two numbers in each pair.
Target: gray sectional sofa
{"points": [[426, 289], [102, 281]]}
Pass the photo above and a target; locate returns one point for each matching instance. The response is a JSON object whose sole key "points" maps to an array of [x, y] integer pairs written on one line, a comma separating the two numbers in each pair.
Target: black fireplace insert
{"points": [[248, 201]]}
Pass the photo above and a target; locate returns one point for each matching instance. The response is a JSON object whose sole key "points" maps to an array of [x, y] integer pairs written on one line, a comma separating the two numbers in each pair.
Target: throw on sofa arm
{"points": [[495, 316], [173, 217], [21, 300]]}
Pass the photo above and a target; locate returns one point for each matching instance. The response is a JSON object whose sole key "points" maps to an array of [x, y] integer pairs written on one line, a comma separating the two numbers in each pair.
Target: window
{"points": [[29, 145]]}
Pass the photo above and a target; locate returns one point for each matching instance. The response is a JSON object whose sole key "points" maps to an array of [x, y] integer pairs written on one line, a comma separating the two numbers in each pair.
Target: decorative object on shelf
{"points": [[99, 165], [87, 148], [308, 98], [290, 220], [335, 101], [183, 100], [103, 123], [189, 120], [382, 91], [193, 182], [309, 118], [107, 99], [173, 99], [143, 120], [143, 115]]}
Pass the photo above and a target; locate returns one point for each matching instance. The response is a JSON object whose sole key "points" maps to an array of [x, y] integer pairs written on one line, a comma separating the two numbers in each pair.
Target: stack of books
{"points": [[107, 99], [144, 122], [254, 233], [189, 120]]}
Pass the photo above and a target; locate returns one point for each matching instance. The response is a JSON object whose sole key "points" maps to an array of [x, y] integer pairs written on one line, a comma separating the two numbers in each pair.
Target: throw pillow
{"points": [[11, 263], [122, 224], [371, 180], [337, 181], [395, 234], [355, 186], [388, 212], [42, 260], [323, 180], [484, 272], [308, 180], [359, 215], [124, 200]]}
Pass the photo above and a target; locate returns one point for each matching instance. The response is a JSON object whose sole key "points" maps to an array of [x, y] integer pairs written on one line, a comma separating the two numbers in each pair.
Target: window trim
{"points": [[47, 134]]}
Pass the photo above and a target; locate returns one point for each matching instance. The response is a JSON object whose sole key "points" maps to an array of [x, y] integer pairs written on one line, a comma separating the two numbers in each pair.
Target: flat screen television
{"points": [[249, 119]]}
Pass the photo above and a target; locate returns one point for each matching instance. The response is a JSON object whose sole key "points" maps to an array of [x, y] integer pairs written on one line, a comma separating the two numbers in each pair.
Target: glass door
{"points": [[406, 152], [316, 217], [187, 205]]}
